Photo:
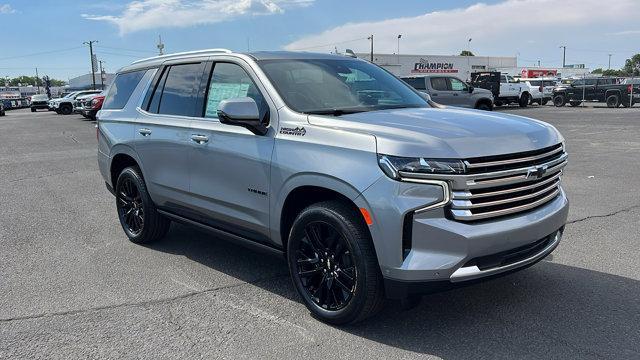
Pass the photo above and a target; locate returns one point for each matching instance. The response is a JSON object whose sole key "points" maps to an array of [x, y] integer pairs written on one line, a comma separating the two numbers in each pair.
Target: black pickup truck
{"points": [[596, 89]]}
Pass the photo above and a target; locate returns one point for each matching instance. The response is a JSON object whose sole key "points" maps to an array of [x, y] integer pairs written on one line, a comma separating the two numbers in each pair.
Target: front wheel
{"points": [[333, 263], [137, 214], [484, 106], [559, 101], [524, 100]]}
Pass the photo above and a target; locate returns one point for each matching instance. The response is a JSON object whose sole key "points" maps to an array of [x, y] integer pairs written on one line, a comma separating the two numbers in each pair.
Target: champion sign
{"points": [[424, 66]]}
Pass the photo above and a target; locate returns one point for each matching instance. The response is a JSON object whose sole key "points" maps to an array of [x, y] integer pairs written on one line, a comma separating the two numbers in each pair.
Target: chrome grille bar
{"points": [[471, 165]]}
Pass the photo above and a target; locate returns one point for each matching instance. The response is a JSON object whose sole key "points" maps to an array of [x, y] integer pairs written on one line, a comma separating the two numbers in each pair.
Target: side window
{"points": [[180, 88], [155, 97], [503, 79], [535, 83], [230, 81], [591, 81], [438, 83], [457, 85], [121, 89], [416, 83]]}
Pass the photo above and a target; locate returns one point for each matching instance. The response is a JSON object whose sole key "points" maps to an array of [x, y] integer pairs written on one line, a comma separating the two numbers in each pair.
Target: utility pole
{"points": [[101, 75], [93, 64], [564, 54], [371, 38], [160, 46], [399, 36], [37, 80], [610, 61]]}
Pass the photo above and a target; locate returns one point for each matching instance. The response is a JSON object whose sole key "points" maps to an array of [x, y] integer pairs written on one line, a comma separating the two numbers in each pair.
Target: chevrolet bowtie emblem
{"points": [[536, 172]]}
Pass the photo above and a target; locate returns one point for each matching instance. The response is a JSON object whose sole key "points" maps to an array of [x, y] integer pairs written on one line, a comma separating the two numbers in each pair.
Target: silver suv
{"points": [[368, 190]]}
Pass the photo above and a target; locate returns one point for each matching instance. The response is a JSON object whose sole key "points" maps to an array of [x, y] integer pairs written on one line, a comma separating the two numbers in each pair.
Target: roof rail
{"points": [[195, 52]]}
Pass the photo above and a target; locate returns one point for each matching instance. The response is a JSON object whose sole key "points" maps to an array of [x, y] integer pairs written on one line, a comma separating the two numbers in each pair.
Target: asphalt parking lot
{"points": [[73, 286]]}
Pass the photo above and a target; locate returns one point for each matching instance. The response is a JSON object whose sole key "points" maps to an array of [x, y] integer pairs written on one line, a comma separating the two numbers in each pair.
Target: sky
{"points": [[49, 35]]}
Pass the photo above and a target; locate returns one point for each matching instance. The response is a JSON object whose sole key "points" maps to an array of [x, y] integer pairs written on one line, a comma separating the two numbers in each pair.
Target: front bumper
{"points": [[442, 250]]}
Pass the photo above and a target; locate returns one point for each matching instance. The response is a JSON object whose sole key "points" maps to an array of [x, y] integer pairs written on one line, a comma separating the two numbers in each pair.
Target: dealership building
{"points": [[463, 66]]}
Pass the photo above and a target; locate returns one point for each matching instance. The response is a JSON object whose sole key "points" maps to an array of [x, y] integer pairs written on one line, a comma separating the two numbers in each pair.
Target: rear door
{"points": [[230, 165], [163, 133]]}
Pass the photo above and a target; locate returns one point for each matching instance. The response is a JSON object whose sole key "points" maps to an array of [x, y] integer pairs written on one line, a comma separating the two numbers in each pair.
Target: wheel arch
{"points": [[483, 101], [302, 191], [122, 156]]}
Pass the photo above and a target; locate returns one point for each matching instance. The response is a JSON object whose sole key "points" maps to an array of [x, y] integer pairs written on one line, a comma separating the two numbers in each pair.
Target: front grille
{"points": [[507, 184]]}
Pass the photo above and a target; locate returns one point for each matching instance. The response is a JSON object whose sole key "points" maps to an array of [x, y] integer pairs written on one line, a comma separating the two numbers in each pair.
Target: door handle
{"points": [[200, 139], [145, 132]]}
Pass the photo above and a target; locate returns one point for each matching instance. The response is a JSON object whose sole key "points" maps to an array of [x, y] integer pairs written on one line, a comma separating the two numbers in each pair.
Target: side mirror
{"points": [[470, 89], [241, 112], [425, 96]]}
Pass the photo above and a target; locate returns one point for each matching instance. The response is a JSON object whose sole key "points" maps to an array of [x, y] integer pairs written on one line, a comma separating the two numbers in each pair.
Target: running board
{"points": [[225, 235]]}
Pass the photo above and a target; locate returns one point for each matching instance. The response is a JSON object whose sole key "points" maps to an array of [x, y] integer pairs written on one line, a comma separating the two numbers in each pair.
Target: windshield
{"points": [[338, 86], [39, 97], [70, 95]]}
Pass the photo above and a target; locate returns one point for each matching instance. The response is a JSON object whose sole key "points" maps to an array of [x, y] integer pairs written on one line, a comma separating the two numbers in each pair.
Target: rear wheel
{"points": [[333, 263], [137, 214], [575, 103], [33, 109], [559, 100], [613, 101]]}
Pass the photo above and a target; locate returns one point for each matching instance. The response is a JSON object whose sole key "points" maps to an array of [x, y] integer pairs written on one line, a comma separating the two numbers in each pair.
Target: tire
{"points": [[66, 109], [613, 101], [544, 102], [574, 103], [484, 106], [497, 103], [626, 104], [524, 100], [559, 101], [326, 240], [33, 110], [132, 199]]}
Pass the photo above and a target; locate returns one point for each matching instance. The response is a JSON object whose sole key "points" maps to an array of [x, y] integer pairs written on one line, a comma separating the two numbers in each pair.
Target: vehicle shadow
{"points": [[547, 311]]}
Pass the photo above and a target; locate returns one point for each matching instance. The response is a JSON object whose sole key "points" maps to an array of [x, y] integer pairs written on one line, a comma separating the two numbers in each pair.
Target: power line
{"points": [[331, 44], [41, 53], [123, 49]]}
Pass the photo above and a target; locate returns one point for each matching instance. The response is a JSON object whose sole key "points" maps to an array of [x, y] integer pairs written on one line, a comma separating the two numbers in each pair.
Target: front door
{"points": [[460, 92], [441, 92], [229, 165]]}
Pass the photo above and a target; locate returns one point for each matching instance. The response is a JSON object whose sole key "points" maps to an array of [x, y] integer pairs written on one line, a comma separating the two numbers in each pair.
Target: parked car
{"points": [[80, 102], [449, 90], [541, 90], [92, 105], [64, 105], [39, 101], [334, 163], [600, 89], [506, 90]]}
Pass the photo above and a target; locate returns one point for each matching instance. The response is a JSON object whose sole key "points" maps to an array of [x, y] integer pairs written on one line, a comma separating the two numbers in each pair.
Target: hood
{"points": [[447, 132], [477, 90]]}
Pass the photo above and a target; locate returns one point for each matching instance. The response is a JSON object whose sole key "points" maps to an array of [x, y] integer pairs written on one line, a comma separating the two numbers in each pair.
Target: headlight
{"points": [[394, 165]]}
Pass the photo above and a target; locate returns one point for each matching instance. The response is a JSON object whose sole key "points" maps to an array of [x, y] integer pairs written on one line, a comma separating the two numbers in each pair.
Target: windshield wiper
{"points": [[336, 112]]}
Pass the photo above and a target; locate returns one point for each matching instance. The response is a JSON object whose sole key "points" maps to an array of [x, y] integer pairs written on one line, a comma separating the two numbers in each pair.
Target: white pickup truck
{"points": [[505, 89]]}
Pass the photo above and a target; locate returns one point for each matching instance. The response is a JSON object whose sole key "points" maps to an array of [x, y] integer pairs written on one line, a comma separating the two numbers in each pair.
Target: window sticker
{"points": [[223, 91]]}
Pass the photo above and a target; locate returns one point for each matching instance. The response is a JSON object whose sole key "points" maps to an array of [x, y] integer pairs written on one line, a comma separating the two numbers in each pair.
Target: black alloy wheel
{"points": [[130, 207], [325, 266]]}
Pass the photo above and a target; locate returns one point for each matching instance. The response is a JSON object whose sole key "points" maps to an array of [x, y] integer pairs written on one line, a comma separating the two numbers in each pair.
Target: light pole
{"points": [[371, 38], [610, 61], [564, 54], [398, 52]]}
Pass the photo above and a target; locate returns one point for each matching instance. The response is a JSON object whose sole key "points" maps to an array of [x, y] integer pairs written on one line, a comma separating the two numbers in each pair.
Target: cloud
{"points": [[501, 29], [151, 14], [626, 32], [6, 9]]}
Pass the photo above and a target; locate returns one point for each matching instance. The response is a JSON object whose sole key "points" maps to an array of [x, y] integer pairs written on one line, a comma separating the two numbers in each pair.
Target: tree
{"points": [[24, 80], [632, 66], [466, 53]]}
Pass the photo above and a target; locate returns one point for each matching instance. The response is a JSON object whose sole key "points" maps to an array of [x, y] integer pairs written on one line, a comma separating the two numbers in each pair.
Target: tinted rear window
{"points": [[121, 89], [439, 84], [180, 87], [416, 83]]}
